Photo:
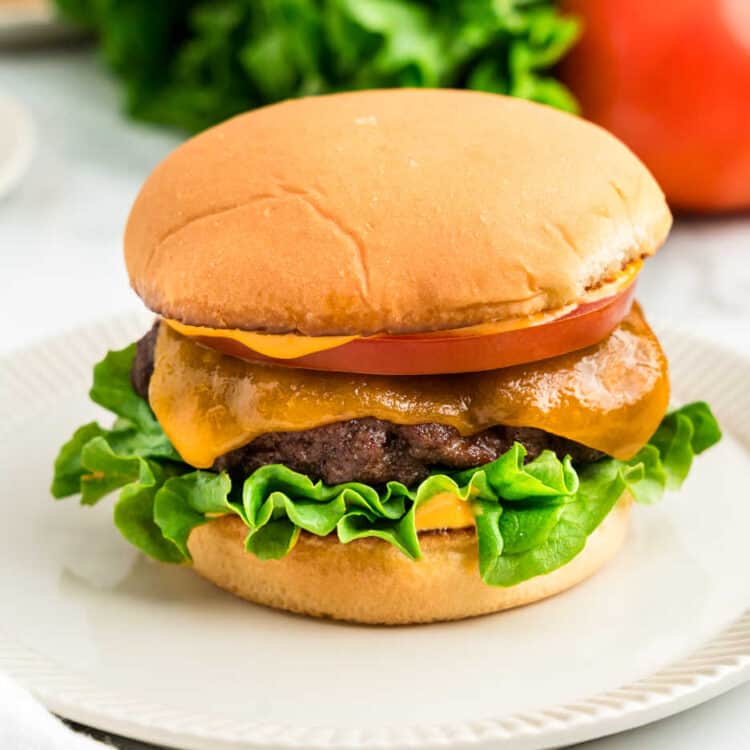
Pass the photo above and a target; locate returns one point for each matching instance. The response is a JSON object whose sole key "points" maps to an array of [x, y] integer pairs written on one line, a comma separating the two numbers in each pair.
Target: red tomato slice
{"points": [[435, 354]]}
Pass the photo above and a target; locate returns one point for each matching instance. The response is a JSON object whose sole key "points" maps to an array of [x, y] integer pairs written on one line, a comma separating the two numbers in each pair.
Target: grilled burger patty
{"points": [[372, 450]]}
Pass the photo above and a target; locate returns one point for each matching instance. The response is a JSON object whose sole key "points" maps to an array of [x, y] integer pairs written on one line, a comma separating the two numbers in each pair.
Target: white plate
{"points": [[107, 638], [16, 142]]}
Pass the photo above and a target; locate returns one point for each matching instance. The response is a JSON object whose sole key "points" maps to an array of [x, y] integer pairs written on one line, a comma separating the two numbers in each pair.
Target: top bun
{"points": [[395, 211]]}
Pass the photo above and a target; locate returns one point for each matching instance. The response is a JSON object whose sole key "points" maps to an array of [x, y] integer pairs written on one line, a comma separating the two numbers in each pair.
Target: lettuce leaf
{"points": [[194, 63], [565, 529], [682, 435], [137, 431], [531, 517]]}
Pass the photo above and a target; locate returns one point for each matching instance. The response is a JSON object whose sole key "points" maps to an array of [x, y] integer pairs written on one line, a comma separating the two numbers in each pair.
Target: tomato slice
{"points": [[435, 354]]}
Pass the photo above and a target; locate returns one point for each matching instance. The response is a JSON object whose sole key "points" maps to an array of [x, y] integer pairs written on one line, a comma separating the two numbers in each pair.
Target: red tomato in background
{"points": [[671, 78]]}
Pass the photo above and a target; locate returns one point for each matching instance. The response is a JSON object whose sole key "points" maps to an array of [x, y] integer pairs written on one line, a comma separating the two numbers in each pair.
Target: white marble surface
{"points": [[60, 264]]}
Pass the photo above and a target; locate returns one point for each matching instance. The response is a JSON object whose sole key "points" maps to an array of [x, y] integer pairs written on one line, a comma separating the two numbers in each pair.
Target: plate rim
{"points": [[720, 664]]}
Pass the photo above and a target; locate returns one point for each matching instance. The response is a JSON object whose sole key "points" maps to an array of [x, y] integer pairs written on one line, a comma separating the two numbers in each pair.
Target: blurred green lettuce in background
{"points": [[192, 63]]}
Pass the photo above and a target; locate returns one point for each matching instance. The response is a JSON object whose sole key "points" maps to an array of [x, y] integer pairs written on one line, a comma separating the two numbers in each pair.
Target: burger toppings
{"points": [[372, 450], [516, 453], [609, 397]]}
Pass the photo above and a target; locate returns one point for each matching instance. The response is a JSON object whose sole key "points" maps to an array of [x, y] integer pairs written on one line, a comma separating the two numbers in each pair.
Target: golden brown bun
{"points": [[370, 581], [401, 210]]}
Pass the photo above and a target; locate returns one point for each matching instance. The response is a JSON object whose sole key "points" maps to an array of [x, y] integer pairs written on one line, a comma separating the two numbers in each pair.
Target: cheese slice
{"points": [[292, 346], [444, 511], [286, 346], [610, 396]]}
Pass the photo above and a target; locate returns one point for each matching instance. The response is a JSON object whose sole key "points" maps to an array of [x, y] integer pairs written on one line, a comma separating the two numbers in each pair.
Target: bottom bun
{"points": [[370, 581]]}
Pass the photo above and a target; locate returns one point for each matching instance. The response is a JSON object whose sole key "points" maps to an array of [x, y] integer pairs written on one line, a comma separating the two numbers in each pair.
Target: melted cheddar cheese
{"points": [[284, 346], [610, 396], [444, 511]]}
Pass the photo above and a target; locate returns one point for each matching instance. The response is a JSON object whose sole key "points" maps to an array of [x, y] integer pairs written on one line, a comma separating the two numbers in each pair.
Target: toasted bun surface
{"points": [[397, 211], [369, 581]]}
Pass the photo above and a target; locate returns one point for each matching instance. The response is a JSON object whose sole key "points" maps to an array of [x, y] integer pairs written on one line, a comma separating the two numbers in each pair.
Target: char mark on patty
{"points": [[369, 450]]}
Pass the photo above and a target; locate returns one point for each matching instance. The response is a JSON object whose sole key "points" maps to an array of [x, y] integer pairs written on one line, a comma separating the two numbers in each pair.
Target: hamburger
{"points": [[397, 373]]}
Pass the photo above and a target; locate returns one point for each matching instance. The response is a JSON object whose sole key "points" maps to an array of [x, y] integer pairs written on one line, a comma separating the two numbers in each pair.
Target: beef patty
{"points": [[371, 450]]}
